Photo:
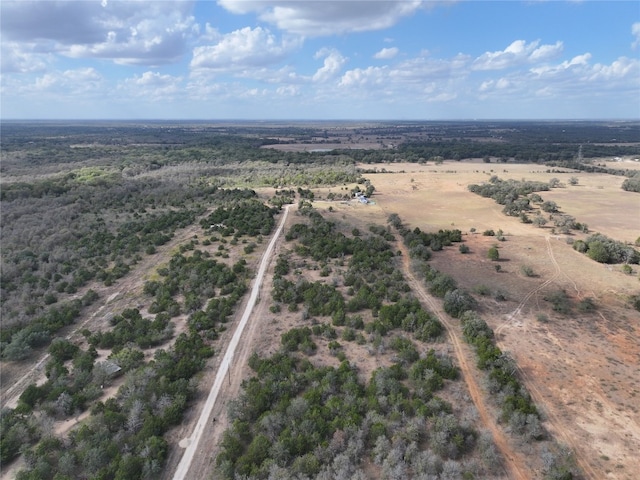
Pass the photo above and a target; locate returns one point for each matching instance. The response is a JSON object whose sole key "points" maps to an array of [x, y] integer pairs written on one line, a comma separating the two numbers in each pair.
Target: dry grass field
{"points": [[581, 368]]}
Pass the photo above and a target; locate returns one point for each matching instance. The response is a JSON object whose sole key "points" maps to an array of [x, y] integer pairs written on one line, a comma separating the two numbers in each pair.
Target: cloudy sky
{"points": [[306, 59]]}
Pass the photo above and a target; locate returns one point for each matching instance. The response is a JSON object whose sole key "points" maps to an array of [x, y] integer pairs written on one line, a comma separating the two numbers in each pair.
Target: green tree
{"points": [[493, 254], [598, 251]]}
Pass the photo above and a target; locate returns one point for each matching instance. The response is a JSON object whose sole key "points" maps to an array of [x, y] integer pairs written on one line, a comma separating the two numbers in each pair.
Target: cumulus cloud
{"points": [[414, 80], [621, 68], [425, 68], [360, 77], [133, 32], [313, 19], [518, 53], [386, 53], [333, 63], [73, 82], [152, 85], [570, 78], [244, 48], [16, 57]]}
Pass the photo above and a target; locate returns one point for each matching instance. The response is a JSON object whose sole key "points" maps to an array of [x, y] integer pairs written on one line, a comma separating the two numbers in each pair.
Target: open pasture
{"points": [[581, 367]]}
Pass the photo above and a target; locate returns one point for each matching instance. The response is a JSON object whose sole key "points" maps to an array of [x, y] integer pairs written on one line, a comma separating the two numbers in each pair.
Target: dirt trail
{"points": [[112, 299], [553, 421], [514, 315], [515, 463]]}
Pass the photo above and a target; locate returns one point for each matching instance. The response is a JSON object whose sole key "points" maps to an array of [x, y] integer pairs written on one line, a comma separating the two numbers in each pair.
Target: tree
{"points": [[598, 251], [539, 221], [493, 254], [370, 189], [554, 183]]}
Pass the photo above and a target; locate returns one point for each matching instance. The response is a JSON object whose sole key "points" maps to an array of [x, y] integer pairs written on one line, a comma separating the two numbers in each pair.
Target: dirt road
{"points": [[515, 463], [192, 443]]}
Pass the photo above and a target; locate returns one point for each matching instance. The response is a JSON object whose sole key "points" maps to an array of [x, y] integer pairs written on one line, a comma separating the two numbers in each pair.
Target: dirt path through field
{"points": [[515, 462], [552, 420]]}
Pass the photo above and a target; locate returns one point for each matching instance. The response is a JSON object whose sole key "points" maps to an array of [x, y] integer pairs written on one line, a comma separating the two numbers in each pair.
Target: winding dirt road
{"points": [[515, 463]]}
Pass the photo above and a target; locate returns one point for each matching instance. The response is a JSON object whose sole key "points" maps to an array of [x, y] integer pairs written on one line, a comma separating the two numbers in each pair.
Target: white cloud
{"points": [[386, 53], [635, 31], [241, 49], [621, 68], [315, 18], [288, 91], [71, 83], [425, 68], [333, 63], [152, 85], [17, 57], [516, 54], [132, 32], [413, 81], [551, 70], [574, 78], [503, 84], [360, 77]]}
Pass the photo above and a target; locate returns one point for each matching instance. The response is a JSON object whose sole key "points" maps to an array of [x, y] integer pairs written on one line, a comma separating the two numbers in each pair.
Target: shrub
{"points": [[527, 271], [456, 302], [559, 301]]}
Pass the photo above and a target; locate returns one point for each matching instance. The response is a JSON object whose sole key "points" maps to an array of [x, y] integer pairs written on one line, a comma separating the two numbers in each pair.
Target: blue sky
{"points": [[306, 59]]}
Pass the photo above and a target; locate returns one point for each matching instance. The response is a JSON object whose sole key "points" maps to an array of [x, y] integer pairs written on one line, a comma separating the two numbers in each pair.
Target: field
{"points": [[167, 228], [581, 368]]}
